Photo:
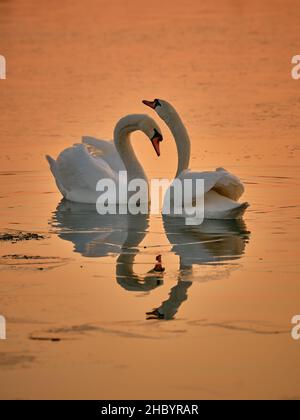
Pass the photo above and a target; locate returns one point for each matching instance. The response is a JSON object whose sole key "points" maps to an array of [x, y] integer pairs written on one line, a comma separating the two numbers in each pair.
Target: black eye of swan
{"points": [[156, 103]]}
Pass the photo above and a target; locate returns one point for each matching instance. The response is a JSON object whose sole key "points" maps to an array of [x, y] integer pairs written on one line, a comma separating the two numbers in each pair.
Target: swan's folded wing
{"points": [[210, 178], [105, 150], [229, 185], [221, 181], [98, 147], [79, 170]]}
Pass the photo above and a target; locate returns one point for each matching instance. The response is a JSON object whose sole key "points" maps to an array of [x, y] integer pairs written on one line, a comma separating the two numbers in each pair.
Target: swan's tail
{"points": [[237, 212], [55, 172]]}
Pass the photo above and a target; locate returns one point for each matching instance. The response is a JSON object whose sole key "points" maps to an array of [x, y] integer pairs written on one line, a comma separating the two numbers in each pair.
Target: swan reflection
{"points": [[206, 252], [213, 242], [94, 235]]}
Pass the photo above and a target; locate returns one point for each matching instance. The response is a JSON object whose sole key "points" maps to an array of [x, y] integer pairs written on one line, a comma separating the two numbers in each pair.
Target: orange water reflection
{"points": [[74, 69]]}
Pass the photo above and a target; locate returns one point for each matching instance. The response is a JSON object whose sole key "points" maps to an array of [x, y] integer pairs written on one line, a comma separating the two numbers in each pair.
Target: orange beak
{"points": [[151, 104], [155, 143], [156, 139]]}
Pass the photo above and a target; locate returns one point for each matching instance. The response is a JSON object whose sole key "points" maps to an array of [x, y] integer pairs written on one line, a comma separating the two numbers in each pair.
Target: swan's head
{"points": [[140, 122], [152, 130], [164, 110]]}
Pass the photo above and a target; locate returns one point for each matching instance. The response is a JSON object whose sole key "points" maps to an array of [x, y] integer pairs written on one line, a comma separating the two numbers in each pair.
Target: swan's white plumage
{"points": [[222, 189], [78, 169], [77, 172], [105, 150], [229, 185]]}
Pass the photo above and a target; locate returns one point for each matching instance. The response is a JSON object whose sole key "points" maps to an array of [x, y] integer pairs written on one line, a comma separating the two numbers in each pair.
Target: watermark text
{"points": [[2, 67], [179, 197], [2, 328], [295, 73], [296, 329]]}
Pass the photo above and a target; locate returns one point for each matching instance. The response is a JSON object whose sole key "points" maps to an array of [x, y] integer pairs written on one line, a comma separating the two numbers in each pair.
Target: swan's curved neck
{"points": [[182, 140], [123, 145]]}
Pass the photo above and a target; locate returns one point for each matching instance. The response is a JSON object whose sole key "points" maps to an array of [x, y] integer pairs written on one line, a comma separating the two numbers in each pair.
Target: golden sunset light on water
{"points": [[132, 307]]}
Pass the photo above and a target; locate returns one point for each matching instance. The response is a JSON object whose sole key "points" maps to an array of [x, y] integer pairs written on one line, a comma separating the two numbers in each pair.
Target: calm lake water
{"points": [[76, 302]]}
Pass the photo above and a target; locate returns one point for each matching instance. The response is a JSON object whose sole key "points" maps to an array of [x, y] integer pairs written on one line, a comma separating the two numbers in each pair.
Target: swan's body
{"points": [[78, 169], [221, 188]]}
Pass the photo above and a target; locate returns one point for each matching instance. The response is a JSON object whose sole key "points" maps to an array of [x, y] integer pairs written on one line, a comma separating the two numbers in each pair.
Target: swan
{"points": [[78, 169], [222, 189]]}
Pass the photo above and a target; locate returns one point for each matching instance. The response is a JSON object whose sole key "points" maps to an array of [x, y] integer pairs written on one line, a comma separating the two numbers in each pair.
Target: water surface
{"points": [[76, 302]]}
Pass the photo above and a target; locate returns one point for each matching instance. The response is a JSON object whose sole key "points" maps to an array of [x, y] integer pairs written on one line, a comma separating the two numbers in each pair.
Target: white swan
{"points": [[78, 169], [222, 189]]}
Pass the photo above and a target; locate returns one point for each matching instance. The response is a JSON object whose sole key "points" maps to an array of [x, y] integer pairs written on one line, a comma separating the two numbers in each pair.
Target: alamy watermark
{"points": [[2, 328], [295, 73], [296, 329], [180, 197], [2, 67]]}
